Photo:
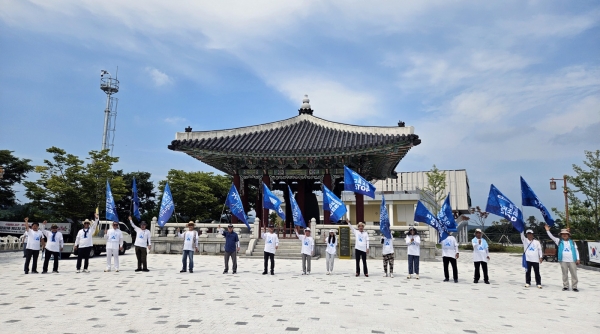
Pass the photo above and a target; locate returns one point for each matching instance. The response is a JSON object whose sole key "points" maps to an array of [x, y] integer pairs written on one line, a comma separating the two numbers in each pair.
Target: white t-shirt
{"points": [[449, 247], [567, 255], [190, 240], [271, 241], [361, 239], [57, 244], [33, 239], [85, 239], [480, 253], [533, 249], [413, 247], [308, 244], [142, 237], [331, 246], [388, 246], [114, 239]]}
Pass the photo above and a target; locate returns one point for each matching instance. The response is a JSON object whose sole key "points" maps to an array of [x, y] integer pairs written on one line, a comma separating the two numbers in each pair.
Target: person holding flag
{"points": [[532, 257], [190, 243], [361, 247], [34, 237], [114, 243], [330, 251], [143, 243], [84, 243], [271, 245], [413, 245], [387, 240], [308, 249], [481, 255], [568, 257], [232, 247]]}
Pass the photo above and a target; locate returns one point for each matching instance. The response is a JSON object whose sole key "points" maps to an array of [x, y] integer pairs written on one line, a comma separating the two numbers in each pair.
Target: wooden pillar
{"points": [[236, 183], [265, 212], [327, 183], [360, 208]]}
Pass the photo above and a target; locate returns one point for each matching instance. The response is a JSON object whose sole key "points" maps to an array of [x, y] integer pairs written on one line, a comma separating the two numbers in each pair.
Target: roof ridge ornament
{"points": [[305, 107]]}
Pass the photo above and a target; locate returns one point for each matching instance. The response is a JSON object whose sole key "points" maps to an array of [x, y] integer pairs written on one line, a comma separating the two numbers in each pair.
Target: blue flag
{"points": [[446, 217], [234, 202], [384, 220], [167, 206], [356, 183], [530, 199], [111, 208], [423, 215], [296, 213], [271, 201], [499, 205], [333, 204], [136, 201]]}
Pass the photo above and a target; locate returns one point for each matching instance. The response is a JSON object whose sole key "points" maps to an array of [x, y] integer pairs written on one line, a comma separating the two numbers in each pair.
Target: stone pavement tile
{"points": [[250, 302]]}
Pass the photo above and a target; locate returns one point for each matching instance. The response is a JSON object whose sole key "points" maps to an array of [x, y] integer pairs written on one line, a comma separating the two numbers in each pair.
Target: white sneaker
{"points": [[539, 286], [78, 271], [408, 277], [106, 270], [385, 275], [308, 272], [86, 271], [327, 273], [391, 275], [526, 285], [303, 273], [117, 270], [417, 277]]}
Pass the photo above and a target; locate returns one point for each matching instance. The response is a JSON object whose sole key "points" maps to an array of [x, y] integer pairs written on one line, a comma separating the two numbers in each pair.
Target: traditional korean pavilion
{"points": [[304, 152]]}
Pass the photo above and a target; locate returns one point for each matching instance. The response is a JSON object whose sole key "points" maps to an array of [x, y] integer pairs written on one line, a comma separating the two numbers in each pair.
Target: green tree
{"points": [[435, 190], [197, 195], [146, 195], [584, 198], [70, 188], [15, 170]]}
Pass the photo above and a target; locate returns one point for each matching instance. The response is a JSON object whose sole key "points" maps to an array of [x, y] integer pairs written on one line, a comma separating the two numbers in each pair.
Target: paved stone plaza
{"points": [[207, 301]]}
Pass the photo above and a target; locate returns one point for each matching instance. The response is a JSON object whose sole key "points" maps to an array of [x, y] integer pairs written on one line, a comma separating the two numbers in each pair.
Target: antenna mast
{"points": [[109, 86]]}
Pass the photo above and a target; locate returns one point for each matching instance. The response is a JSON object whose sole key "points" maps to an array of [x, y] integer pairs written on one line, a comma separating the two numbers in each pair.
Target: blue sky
{"points": [[502, 89]]}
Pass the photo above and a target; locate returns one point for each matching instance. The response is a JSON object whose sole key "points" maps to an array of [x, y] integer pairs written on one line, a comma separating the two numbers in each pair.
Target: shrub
{"points": [[497, 248], [468, 246]]}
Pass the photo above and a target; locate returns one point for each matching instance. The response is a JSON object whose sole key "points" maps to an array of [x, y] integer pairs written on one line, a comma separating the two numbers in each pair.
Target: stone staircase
{"points": [[288, 249]]}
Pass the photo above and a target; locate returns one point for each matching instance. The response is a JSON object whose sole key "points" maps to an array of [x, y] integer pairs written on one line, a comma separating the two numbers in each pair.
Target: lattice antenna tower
{"points": [[109, 86]]}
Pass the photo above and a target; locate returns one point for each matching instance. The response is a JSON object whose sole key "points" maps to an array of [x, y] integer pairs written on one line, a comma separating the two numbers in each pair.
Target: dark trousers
{"points": [[413, 264], [268, 256], [450, 260], [141, 254], [536, 269], [483, 266], [358, 255], [29, 253], [233, 256], [83, 254], [47, 259]]}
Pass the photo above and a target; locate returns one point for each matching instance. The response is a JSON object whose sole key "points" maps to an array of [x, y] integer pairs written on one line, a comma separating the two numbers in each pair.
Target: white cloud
{"points": [[159, 78], [175, 120]]}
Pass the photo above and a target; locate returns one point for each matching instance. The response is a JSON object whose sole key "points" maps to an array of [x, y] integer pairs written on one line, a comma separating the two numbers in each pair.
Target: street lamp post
{"points": [[553, 187]]}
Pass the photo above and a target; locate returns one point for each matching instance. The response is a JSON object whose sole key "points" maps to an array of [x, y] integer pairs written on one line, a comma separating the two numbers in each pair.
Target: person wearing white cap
{"points": [[481, 255], [568, 256], [308, 249], [413, 243], [84, 243], [533, 257], [330, 251], [114, 243], [361, 247]]}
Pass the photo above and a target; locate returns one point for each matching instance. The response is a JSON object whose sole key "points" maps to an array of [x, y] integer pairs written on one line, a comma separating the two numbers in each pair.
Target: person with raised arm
{"points": [[307, 250], [449, 256], [114, 244], [54, 246], [568, 257], [533, 256], [330, 251], [361, 247], [190, 243], [271, 244], [413, 249], [232, 247], [84, 243], [143, 243], [481, 255], [34, 238]]}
